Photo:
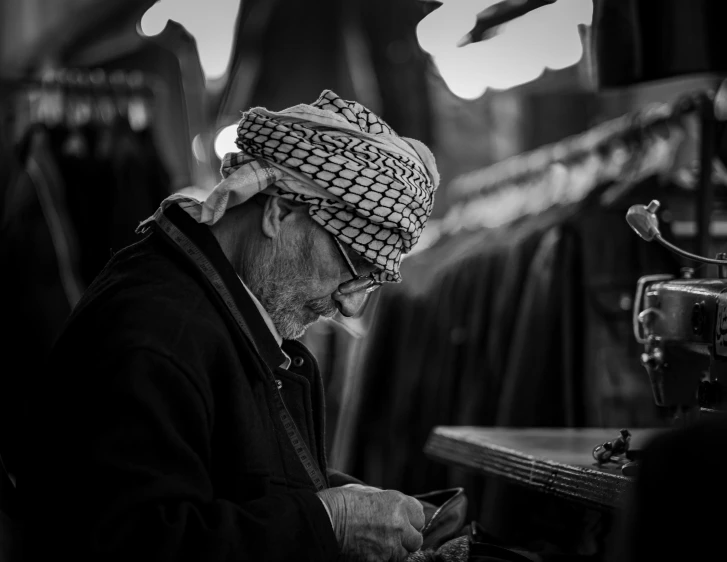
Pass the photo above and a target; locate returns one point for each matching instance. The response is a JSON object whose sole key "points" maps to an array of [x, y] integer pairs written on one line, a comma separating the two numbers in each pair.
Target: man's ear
{"points": [[276, 212]]}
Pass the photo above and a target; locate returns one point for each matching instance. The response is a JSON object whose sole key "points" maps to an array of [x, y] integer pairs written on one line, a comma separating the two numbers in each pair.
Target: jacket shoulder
{"points": [[148, 296]]}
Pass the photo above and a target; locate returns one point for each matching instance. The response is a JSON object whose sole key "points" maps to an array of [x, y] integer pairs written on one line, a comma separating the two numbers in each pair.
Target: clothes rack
{"points": [[571, 170], [80, 167], [76, 96], [86, 81]]}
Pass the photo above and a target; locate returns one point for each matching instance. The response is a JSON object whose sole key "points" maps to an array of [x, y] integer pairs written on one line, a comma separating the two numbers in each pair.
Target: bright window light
{"points": [[225, 141], [212, 23], [547, 37]]}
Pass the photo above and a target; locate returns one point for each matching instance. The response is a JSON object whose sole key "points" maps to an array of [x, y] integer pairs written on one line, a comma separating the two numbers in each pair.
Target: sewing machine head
{"points": [[682, 324]]}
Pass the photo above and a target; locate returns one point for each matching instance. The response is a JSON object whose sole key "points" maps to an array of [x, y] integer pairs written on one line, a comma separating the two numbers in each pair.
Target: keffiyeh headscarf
{"points": [[369, 187]]}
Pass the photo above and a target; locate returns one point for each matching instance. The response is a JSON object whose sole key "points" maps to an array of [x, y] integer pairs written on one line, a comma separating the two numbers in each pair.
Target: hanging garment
{"points": [[429, 350], [635, 42], [170, 61], [71, 196], [114, 179], [140, 182], [286, 51], [39, 253], [330, 343], [83, 167], [537, 385], [398, 67]]}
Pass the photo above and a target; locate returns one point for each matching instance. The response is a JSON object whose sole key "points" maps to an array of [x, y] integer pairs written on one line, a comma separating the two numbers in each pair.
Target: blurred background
{"points": [[548, 119]]}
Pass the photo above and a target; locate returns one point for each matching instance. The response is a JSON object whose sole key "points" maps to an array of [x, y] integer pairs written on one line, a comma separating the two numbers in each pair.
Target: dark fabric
{"points": [[539, 388], [445, 513], [140, 181], [113, 168], [42, 281], [55, 240], [152, 434], [81, 160], [179, 111], [10, 172], [674, 511], [336, 478], [400, 67], [286, 51], [635, 42], [456, 550]]}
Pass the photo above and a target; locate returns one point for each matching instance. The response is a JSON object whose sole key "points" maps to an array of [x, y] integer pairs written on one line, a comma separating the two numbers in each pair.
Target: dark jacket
{"points": [[154, 434]]}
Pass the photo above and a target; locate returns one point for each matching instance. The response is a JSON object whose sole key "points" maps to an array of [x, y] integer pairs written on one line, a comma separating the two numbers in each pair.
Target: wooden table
{"points": [[555, 461]]}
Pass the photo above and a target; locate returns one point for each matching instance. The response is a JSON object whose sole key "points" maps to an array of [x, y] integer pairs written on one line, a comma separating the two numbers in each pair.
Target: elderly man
{"points": [[179, 419]]}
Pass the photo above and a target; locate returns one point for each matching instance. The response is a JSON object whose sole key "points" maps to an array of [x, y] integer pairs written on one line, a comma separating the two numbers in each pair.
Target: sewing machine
{"points": [[682, 323]]}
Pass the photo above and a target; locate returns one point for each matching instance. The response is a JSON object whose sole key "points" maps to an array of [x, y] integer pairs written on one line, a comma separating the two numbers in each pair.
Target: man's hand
{"points": [[374, 525]]}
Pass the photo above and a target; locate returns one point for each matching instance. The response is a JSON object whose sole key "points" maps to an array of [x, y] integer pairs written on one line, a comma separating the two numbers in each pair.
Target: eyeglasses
{"points": [[359, 283]]}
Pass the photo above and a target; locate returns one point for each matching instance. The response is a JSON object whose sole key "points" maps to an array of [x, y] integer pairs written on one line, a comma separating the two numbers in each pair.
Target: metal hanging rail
{"points": [[534, 168]]}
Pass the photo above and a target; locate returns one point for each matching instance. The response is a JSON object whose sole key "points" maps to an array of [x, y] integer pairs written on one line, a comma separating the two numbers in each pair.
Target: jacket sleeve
{"points": [[139, 485]]}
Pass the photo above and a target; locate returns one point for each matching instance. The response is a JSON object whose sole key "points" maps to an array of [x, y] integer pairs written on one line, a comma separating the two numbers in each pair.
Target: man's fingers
{"points": [[412, 540], [415, 511]]}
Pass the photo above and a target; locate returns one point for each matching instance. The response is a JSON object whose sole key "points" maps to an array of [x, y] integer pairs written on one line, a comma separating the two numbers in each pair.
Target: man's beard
{"points": [[281, 281]]}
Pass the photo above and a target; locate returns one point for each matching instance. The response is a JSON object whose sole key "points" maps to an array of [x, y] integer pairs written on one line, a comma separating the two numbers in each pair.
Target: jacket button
{"points": [[279, 383], [297, 361]]}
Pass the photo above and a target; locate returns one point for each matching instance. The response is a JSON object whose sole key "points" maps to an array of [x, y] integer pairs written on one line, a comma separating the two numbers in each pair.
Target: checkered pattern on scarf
{"points": [[369, 187], [377, 188]]}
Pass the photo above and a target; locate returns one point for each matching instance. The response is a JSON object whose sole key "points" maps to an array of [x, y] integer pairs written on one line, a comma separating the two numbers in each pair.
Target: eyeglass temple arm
{"points": [[349, 263]]}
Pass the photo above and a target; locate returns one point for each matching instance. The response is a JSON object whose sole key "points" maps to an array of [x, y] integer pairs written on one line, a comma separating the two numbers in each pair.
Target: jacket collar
{"points": [[201, 236]]}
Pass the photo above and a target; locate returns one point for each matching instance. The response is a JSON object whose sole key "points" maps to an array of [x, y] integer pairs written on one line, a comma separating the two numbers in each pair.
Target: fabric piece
{"points": [[445, 514], [128, 166], [39, 252], [288, 50], [456, 550], [179, 107], [629, 39], [363, 183]]}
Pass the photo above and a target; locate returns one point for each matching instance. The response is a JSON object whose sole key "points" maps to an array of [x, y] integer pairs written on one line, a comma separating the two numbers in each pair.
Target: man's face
{"points": [[297, 281]]}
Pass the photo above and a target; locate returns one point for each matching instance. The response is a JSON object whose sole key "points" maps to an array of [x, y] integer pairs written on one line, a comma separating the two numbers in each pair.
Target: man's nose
{"points": [[350, 304]]}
